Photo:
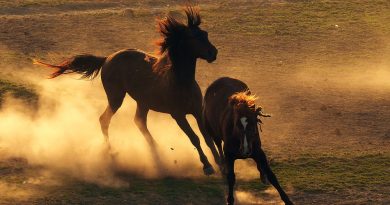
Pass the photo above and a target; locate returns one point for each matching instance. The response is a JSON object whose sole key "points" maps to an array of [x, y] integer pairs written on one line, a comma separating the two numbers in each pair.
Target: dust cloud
{"points": [[64, 135], [271, 197], [9, 191]]}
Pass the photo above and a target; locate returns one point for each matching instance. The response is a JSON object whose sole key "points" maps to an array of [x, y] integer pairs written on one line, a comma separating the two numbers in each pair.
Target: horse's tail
{"points": [[86, 65]]}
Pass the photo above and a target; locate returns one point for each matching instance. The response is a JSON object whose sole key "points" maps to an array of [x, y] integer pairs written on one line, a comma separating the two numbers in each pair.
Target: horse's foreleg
{"points": [[263, 175], [210, 143], [231, 179], [263, 165], [185, 126]]}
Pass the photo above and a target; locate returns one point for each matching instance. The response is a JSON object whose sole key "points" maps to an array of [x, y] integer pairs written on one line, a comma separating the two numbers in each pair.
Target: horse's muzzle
{"points": [[212, 55], [245, 152]]}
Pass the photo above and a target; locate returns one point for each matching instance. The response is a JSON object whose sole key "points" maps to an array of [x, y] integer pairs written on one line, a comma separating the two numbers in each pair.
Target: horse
{"points": [[163, 83], [230, 115]]}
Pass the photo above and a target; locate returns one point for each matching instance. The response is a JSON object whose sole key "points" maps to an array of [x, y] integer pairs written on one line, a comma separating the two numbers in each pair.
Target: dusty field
{"points": [[322, 68]]}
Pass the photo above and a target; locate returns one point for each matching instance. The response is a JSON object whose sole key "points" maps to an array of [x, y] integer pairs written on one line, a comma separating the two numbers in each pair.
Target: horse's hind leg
{"points": [[115, 96], [140, 120], [222, 158], [104, 120]]}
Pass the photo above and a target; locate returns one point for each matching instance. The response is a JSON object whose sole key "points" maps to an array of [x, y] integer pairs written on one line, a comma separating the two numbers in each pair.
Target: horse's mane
{"points": [[172, 32], [243, 98]]}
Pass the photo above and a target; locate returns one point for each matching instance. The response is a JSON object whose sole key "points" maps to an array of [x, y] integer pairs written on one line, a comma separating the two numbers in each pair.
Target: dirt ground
{"points": [[321, 68]]}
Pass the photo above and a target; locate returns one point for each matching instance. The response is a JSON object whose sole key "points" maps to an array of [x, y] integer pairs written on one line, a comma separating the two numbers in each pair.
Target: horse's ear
{"points": [[193, 17]]}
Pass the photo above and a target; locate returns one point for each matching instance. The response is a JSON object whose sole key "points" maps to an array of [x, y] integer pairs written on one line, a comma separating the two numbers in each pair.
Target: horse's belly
{"points": [[158, 100]]}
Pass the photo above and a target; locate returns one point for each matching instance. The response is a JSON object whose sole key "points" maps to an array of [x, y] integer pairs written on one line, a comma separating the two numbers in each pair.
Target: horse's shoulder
{"points": [[225, 87]]}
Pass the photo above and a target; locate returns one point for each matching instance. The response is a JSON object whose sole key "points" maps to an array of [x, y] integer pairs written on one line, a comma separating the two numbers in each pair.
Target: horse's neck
{"points": [[184, 70]]}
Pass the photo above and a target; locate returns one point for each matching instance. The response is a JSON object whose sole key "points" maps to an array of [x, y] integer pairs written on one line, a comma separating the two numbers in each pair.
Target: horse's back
{"points": [[125, 62], [129, 69], [218, 93], [216, 101], [225, 87]]}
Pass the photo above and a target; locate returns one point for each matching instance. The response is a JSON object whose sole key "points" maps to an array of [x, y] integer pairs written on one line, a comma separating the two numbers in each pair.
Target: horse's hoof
{"points": [[208, 171], [230, 203]]}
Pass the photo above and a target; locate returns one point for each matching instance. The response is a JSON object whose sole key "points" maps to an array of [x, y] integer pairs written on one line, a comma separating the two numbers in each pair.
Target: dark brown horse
{"points": [[230, 115], [164, 83]]}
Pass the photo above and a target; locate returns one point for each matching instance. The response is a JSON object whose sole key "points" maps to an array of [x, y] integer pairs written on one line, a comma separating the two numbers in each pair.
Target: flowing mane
{"points": [[172, 33], [243, 98]]}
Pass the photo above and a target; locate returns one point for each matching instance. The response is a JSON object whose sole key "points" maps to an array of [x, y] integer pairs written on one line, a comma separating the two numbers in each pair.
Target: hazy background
{"points": [[322, 68]]}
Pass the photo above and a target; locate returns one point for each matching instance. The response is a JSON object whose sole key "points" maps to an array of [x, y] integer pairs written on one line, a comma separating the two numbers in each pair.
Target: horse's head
{"points": [[197, 39], [189, 40], [245, 119]]}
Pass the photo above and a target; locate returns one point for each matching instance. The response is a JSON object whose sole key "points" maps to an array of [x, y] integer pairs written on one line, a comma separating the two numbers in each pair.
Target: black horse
{"points": [[230, 115], [164, 83]]}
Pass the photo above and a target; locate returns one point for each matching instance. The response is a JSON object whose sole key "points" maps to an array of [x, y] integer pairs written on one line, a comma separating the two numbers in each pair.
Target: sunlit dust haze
{"points": [[375, 77], [271, 197], [64, 135]]}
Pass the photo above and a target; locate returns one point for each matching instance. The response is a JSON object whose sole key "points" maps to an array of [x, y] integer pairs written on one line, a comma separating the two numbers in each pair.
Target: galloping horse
{"points": [[164, 83], [230, 115]]}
